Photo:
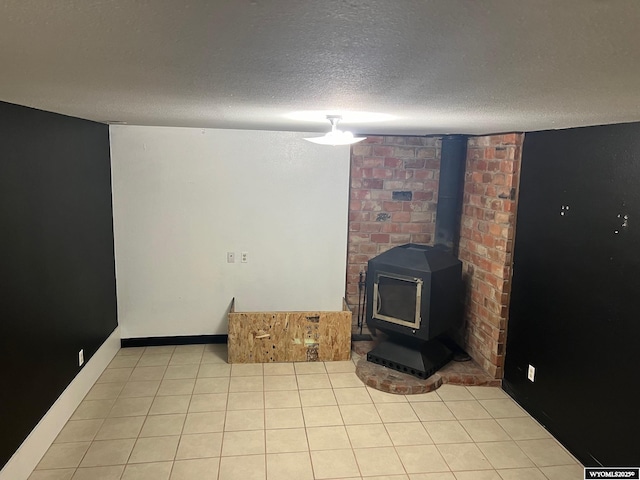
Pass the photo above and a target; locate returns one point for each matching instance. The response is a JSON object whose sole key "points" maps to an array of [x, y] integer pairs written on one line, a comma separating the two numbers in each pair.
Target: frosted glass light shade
{"points": [[336, 137]]}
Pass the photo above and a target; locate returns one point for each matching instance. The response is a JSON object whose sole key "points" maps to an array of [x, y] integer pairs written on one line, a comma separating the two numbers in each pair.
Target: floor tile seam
{"points": [[419, 402], [467, 470], [142, 396], [520, 468], [486, 441], [395, 447], [383, 423], [170, 470], [499, 441], [153, 364], [60, 468], [478, 418], [98, 382], [264, 436], [404, 468], [105, 383], [191, 393], [538, 424], [304, 428], [108, 414], [133, 354], [159, 436], [164, 377], [198, 376], [557, 444], [548, 435], [174, 353], [376, 405], [266, 473], [423, 427], [346, 431], [125, 464], [89, 448], [56, 442], [181, 431], [156, 416], [329, 450], [418, 415], [128, 366]]}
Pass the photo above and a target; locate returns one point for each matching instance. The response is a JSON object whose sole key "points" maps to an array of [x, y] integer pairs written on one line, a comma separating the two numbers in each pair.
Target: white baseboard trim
{"points": [[26, 458]]}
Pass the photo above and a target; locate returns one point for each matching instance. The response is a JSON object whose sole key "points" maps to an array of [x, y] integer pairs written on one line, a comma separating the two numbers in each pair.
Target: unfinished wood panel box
{"points": [[264, 337]]}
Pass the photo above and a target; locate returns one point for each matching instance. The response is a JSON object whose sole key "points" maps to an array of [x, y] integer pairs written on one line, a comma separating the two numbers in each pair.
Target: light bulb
{"points": [[335, 136]]}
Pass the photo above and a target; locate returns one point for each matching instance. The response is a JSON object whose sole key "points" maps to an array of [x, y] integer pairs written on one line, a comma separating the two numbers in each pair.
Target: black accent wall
{"points": [[57, 274], [575, 312]]}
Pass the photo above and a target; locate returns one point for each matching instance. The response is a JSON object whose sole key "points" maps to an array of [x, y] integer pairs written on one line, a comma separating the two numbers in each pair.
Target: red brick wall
{"points": [[486, 244], [381, 166]]}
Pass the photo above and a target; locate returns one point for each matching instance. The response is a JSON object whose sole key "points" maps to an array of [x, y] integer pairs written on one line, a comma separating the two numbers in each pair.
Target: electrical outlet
{"points": [[531, 373], [81, 357], [231, 257], [244, 258]]}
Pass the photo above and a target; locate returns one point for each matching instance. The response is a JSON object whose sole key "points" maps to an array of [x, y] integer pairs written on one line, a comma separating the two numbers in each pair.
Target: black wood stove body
{"points": [[414, 298]]}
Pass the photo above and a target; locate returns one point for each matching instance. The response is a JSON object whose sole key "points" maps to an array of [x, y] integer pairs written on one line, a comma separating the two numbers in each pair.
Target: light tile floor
{"points": [[178, 413]]}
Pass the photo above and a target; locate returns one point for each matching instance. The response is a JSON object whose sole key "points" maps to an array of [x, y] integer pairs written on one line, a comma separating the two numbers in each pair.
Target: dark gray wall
{"points": [[57, 277], [574, 307]]}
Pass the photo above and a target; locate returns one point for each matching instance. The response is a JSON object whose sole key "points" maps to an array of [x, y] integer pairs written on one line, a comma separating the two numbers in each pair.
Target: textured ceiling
{"points": [[437, 66]]}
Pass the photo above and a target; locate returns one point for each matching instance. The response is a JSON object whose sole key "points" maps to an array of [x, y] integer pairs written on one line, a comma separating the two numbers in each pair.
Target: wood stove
{"points": [[414, 291], [415, 298]]}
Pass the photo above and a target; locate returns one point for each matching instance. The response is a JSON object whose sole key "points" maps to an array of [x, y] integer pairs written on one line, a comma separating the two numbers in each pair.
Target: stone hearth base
{"points": [[391, 381]]}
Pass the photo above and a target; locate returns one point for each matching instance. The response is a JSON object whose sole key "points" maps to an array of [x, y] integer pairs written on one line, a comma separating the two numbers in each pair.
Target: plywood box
{"points": [[263, 337]]}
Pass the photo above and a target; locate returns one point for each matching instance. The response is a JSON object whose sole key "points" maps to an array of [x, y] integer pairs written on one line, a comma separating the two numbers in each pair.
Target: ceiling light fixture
{"points": [[335, 136], [347, 116]]}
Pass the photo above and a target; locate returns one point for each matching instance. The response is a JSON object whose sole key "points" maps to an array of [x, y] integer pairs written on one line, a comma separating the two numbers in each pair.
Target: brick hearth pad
{"points": [[391, 381]]}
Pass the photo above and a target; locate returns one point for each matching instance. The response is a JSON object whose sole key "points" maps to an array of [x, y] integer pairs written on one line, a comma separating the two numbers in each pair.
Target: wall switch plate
{"points": [[231, 257], [531, 373], [244, 258], [81, 357]]}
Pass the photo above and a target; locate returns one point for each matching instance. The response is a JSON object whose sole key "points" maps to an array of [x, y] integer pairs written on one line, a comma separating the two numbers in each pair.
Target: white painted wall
{"points": [[185, 197]]}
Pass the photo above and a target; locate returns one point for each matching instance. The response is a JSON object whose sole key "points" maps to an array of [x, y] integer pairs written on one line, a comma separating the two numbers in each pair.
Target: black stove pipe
{"points": [[450, 191]]}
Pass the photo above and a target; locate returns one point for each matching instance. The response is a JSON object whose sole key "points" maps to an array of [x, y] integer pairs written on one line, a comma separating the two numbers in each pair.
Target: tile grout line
{"points": [[107, 416], [298, 391]]}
